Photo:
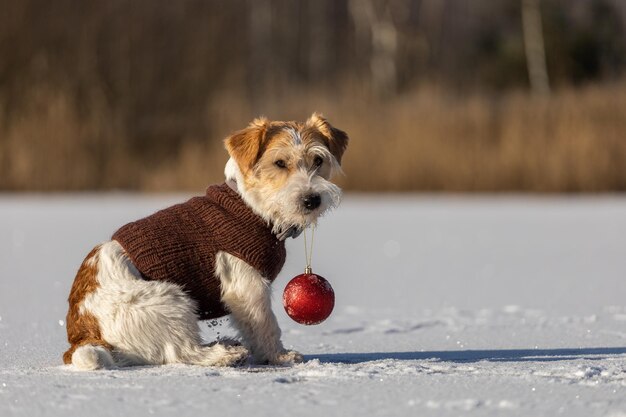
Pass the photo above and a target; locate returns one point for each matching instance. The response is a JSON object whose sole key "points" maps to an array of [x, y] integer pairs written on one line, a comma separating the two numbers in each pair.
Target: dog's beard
{"points": [[284, 208]]}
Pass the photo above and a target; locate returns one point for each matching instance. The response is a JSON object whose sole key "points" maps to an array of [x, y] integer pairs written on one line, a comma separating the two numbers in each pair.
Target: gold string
{"points": [[308, 251]]}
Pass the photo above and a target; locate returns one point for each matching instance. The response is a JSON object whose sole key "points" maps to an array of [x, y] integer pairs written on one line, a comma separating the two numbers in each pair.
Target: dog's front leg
{"points": [[248, 297]]}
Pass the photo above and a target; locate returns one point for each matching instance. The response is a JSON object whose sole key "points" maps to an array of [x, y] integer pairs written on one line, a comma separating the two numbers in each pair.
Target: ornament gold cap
{"points": [[308, 269]]}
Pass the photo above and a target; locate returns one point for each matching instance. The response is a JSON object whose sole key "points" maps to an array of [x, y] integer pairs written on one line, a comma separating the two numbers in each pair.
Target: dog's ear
{"points": [[337, 140], [246, 146]]}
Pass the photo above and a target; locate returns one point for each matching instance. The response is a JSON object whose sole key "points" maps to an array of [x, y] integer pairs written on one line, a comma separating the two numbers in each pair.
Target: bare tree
{"points": [[534, 46], [319, 39], [383, 36], [260, 47]]}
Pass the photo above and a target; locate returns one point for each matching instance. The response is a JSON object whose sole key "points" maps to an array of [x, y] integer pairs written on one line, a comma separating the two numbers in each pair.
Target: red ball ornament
{"points": [[308, 298]]}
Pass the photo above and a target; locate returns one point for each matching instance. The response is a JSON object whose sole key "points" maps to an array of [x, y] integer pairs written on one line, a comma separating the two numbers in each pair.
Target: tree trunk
{"points": [[534, 45]]}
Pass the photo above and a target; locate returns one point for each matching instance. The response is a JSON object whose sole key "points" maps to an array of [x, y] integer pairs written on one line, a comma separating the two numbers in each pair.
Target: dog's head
{"points": [[283, 169]]}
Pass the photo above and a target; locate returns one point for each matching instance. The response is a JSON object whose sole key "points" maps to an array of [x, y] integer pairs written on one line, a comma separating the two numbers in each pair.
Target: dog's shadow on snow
{"points": [[465, 356]]}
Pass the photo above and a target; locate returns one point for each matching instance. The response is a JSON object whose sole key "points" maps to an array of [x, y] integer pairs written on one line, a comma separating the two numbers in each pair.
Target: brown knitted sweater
{"points": [[179, 244]]}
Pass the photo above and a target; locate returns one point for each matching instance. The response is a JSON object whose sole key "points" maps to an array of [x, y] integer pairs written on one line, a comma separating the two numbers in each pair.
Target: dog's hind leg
{"points": [[148, 322], [88, 349]]}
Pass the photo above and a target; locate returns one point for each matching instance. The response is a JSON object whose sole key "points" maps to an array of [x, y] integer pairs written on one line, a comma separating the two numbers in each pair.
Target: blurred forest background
{"points": [[451, 95]]}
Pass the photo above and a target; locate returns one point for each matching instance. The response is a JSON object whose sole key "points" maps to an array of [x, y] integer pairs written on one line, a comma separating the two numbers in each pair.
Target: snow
{"points": [[445, 305]]}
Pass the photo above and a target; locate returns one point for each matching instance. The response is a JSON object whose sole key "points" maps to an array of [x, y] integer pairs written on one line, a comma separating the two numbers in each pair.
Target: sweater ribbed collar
{"points": [[293, 231]]}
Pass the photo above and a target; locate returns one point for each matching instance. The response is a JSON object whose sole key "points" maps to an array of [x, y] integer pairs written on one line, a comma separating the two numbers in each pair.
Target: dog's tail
{"points": [[90, 357]]}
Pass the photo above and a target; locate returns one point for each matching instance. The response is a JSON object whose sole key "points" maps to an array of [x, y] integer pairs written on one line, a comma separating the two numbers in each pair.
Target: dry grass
{"points": [[573, 141]]}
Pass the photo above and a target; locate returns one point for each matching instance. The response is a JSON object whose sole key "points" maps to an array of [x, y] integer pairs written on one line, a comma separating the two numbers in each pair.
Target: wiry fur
{"points": [[275, 194], [248, 297], [117, 318], [147, 322], [281, 207]]}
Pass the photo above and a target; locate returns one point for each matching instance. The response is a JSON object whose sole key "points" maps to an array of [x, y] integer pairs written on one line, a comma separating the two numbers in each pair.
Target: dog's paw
{"points": [[225, 355], [287, 357], [239, 354]]}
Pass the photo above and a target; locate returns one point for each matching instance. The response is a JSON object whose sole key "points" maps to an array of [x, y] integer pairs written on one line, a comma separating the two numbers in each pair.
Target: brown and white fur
{"points": [[282, 170]]}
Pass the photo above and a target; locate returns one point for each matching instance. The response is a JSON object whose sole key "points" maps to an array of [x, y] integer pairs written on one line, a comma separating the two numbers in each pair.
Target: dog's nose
{"points": [[312, 201]]}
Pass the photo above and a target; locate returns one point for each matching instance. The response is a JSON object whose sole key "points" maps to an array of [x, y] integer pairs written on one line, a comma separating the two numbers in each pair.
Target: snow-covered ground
{"points": [[446, 306]]}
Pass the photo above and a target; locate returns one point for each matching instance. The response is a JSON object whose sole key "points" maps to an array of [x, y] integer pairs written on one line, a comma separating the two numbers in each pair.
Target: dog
{"points": [[137, 299]]}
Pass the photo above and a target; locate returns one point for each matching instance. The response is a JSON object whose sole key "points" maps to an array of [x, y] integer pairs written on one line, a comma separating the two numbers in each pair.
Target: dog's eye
{"points": [[280, 164], [318, 161]]}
